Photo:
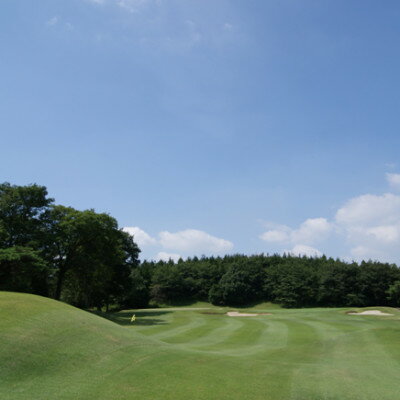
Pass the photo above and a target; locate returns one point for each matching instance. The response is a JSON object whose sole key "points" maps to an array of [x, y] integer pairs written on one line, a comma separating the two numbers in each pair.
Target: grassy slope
{"points": [[51, 350]]}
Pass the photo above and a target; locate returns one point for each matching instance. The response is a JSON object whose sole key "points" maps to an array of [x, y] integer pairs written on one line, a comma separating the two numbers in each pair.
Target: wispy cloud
{"points": [[172, 26], [57, 22], [96, 1], [394, 180], [52, 21], [227, 26], [131, 6]]}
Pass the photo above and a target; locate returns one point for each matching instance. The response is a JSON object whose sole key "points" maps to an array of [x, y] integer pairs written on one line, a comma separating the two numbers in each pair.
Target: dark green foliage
{"points": [[393, 294], [287, 280], [170, 283], [22, 215], [373, 281], [216, 295], [91, 257], [338, 284], [81, 257], [292, 282], [22, 238], [241, 284], [138, 294], [22, 270]]}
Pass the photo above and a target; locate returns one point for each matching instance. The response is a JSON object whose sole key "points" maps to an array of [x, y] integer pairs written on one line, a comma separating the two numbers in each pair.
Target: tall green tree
{"points": [[393, 294], [91, 258], [23, 215], [22, 232], [22, 269]]}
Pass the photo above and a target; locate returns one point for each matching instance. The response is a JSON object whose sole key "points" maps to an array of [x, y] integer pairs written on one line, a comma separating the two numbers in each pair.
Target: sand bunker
{"points": [[369, 312], [238, 314]]}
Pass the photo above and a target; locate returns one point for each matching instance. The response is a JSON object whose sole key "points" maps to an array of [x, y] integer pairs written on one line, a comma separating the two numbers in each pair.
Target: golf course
{"points": [[51, 350]]}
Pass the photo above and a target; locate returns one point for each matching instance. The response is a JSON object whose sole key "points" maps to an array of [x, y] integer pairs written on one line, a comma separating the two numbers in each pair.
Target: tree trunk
{"points": [[60, 282]]}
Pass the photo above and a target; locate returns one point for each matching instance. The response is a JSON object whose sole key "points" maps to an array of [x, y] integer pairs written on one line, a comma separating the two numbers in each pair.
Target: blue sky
{"points": [[211, 127]]}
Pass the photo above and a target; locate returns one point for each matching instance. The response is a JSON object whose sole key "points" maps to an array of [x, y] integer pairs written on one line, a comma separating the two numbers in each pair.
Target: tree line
{"points": [[84, 258], [291, 281]]}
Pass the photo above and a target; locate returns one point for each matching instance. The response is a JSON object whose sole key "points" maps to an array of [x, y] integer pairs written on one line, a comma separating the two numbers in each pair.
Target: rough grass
{"points": [[49, 350]]}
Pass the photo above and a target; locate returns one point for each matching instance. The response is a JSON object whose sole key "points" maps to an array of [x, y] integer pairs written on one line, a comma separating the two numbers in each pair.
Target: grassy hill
{"points": [[50, 350]]}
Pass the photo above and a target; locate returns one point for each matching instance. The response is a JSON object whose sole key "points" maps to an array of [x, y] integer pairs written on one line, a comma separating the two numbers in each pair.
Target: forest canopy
{"points": [[84, 258]]}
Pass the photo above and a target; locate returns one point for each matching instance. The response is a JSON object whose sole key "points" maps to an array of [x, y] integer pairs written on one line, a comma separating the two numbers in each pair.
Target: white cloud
{"points": [[310, 231], [368, 209], [303, 250], [162, 255], [195, 242], [394, 180], [371, 225], [366, 227], [385, 233], [189, 242], [276, 236], [140, 237]]}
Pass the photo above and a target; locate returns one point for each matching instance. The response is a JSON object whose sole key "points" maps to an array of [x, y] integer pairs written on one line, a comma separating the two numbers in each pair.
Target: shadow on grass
{"points": [[176, 303], [143, 318], [255, 305]]}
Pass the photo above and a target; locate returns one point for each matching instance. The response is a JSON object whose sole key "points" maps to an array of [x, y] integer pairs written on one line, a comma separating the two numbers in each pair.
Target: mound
{"points": [[48, 348]]}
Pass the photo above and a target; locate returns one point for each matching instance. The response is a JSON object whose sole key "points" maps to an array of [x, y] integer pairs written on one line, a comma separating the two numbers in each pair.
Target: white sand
{"points": [[238, 314], [369, 312]]}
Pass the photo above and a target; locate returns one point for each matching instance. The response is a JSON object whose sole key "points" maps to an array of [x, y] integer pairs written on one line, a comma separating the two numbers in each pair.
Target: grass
{"points": [[49, 350]]}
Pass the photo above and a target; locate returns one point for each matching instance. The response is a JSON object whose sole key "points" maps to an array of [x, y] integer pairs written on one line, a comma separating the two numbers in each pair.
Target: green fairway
{"points": [[50, 350]]}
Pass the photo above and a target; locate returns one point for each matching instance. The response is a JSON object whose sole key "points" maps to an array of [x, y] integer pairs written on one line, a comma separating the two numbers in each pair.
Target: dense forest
{"points": [[84, 258]]}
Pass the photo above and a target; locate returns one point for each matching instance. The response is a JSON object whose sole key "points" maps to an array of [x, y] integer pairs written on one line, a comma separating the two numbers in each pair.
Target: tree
{"points": [[168, 284], [338, 284], [138, 294], [393, 294], [23, 270], [293, 282], [242, 284], [374, 280], [22, 229], [23, 215], [91, 257]]}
